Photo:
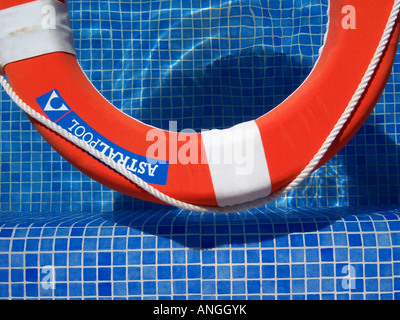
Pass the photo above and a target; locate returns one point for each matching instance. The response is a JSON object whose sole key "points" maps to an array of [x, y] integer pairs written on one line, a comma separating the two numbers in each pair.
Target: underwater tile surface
{"points": [[309, 253]]}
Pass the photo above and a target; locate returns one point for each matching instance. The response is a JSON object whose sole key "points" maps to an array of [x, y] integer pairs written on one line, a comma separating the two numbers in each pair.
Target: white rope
{"points": [[177, 203]]}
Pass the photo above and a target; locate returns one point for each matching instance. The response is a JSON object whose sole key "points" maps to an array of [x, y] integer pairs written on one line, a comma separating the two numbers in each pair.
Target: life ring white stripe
{"points": [[44, 28], [238, 167]]}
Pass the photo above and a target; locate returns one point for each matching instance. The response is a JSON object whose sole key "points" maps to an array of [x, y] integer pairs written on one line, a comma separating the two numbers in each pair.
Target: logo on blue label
{"points": [[57, 110], [53, 105]]}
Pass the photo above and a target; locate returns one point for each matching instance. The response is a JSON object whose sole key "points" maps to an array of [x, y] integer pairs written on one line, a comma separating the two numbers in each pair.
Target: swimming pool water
{"points": [[202, 64]]}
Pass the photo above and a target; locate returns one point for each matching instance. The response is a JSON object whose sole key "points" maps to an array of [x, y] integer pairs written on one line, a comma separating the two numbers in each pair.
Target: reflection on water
{"points": [[208, 64]]}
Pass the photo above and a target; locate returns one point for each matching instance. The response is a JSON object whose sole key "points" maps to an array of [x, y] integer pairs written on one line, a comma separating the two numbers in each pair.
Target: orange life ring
{"points": [[184, 166]]}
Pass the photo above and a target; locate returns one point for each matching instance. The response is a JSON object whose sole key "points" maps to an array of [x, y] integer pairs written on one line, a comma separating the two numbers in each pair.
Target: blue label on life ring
{"points": [[57, 110]]}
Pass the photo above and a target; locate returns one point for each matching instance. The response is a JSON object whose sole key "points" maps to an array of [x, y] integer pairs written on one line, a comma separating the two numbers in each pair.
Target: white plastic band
{"points": [[34, 29], [237, 162]]}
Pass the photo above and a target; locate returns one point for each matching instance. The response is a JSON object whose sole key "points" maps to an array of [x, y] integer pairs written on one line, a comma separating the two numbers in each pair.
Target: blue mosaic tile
{"points": [[283, 271]]}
